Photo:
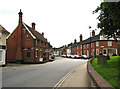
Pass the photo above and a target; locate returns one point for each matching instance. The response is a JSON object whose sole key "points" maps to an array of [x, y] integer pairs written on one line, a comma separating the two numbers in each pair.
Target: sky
{"points": [[62, 21]]}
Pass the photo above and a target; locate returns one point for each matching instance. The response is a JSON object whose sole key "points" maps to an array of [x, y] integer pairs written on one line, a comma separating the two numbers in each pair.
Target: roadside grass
{"points": [[110, 72]]}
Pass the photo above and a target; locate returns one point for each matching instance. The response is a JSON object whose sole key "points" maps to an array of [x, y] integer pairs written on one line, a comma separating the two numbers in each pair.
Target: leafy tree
{"points": [[109, 19]]}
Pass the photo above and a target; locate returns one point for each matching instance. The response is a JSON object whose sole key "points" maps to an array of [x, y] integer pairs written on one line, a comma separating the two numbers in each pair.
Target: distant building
{"points": [[25, 44], [95, 45], [3, 34]]}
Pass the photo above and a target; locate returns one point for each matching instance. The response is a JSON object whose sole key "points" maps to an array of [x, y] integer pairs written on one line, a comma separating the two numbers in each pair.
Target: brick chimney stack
{"points": [[93, 33], [80, 37], [20, 17], [43, 34], [75, 41], [19, 41], [33, 26]]}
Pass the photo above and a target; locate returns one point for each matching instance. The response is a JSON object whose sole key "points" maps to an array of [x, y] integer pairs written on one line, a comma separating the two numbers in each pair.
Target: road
{"points": [[40, 75]]}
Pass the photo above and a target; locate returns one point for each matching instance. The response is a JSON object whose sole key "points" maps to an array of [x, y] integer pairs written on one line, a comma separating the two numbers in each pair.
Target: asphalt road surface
{"points": [[40, 75]]}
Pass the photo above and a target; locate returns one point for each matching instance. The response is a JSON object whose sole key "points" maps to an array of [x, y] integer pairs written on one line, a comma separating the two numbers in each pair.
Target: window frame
{"points": [[109, 43], [97, 51], [28, 54], [97, 44], [2, 57]]}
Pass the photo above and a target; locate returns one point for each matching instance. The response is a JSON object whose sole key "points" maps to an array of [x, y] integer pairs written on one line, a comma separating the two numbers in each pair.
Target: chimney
{"points": [[43, 34], [33, 26], [75, 41], [80, 37], [93, 33], [20, 17]]}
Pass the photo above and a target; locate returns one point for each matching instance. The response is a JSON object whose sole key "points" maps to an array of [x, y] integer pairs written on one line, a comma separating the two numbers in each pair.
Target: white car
{"points": [[85, 57]]}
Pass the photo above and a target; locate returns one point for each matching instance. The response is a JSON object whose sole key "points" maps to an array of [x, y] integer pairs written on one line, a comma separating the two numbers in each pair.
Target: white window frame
{"points": [[87, 45], [81, 47], [2, 57], [81, 52], [109, 43], [97, 44], [84, 46], [97, 51]]}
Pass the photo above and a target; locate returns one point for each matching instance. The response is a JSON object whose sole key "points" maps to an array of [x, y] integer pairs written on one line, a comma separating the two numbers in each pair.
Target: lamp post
{"points": [[90, 42]]}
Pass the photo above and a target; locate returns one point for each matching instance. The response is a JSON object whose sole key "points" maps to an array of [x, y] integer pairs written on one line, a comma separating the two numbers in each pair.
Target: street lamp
{"points": [[90, 41]]}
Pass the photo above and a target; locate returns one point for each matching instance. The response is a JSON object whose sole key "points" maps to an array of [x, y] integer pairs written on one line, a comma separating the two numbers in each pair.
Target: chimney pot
{"points": [[33, 26], [75, 41], [93, 33], [20, 16], [43, 34], [80, 37]]}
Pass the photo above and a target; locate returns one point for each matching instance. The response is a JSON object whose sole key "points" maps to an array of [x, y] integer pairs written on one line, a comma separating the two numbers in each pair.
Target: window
{"points": [[84, 47], [81, 46], [28, 54], [91, 52], [91, 45], [84, 52], [0, 35], [1, 58], [36, 53], [97, 44], [109, 43], [104, 51], [97, 51], [87, 45]]}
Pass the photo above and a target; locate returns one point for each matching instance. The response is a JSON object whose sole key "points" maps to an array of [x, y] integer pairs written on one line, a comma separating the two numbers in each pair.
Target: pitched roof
{"points": [[90, 39], [3, 29], [36, 34]]}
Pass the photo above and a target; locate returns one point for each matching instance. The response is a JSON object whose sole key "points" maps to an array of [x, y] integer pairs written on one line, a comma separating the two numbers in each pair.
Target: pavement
{"points": [[78, 77]]}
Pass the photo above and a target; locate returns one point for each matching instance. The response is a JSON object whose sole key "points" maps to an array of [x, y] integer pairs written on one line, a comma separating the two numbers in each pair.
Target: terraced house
{"points": [[95, 45], [3, 34], [26, 44]]}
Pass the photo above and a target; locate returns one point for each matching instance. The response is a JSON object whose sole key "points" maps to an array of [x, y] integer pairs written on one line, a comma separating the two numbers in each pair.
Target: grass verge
{"points": [[110, 71]]}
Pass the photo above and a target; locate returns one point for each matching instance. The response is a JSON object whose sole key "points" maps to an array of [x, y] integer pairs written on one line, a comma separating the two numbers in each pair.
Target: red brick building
{"points": [[25, 44], [95, 45]]}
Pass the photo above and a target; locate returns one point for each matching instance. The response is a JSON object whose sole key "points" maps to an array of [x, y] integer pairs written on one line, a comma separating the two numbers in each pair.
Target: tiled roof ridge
{"points": [[36, 34]]}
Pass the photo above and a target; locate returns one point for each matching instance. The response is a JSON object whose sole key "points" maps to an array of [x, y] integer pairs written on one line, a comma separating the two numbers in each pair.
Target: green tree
{"points": [[109, 19]]}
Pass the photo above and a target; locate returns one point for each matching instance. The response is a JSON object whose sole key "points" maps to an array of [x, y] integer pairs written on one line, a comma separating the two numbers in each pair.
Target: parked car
{"points": [[84, 57], [69, 56], [72, 56], [64, 56], [77, 56]]}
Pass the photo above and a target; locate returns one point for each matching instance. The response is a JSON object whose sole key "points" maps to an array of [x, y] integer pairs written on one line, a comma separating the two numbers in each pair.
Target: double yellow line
{"points": [[62, 80]]}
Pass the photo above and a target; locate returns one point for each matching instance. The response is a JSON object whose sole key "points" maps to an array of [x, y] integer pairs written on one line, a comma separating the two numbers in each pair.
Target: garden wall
{"points": [[96, 80]]}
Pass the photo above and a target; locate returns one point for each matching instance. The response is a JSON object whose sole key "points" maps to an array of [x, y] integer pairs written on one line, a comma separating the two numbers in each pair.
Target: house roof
{"points": [[36, 34], [3, 29], [90, 39]]}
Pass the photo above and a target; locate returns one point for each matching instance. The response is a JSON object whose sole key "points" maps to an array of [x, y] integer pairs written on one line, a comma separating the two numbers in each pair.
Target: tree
{"points": [[109, 19]]}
